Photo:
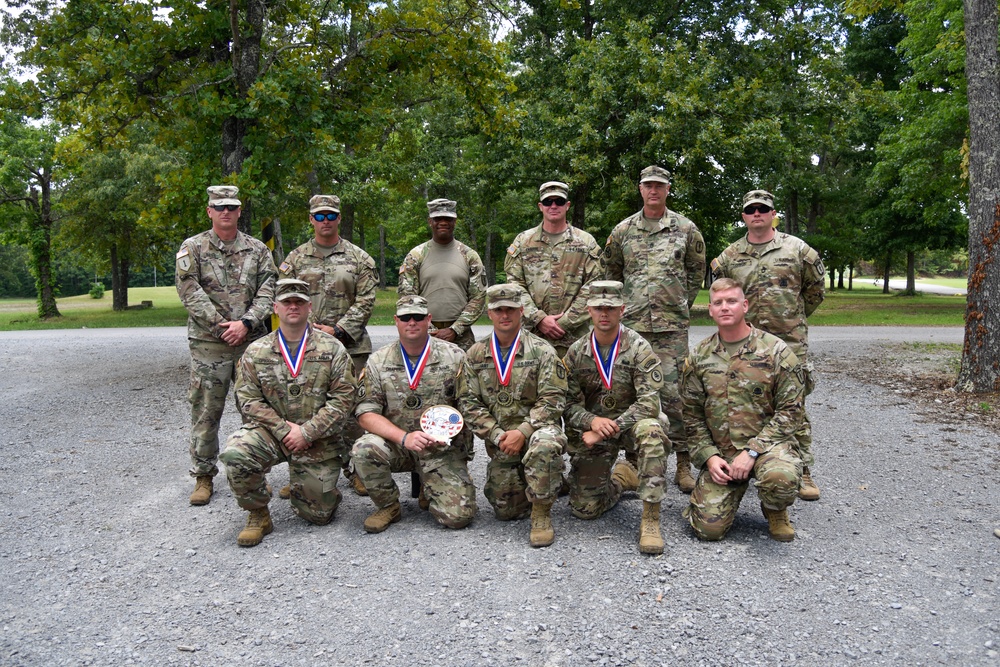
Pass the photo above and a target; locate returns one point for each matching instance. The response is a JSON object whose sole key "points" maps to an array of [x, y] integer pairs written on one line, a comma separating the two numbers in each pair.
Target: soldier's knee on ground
{"points": [[586, 510], [454, 517], [315, 496], [710, 529], [511, 508], [370, 448]]}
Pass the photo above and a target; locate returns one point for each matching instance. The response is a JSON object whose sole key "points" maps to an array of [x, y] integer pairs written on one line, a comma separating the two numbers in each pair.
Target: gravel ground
{"points": [[104, 562]]}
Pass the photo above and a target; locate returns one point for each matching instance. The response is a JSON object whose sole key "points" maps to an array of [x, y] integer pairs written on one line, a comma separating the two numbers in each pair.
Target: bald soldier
{"points": [[225, 279], [613, 403], [553, 263], [400, 382], [660, 257], [512, 393], [783, 279], [294, 387], [449, 274]]}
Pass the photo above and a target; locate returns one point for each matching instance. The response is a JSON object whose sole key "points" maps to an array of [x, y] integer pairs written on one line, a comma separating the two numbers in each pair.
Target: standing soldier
{"points": [[293, 386], [399, 383], [613, 403], [512, 392], [743, 390], [553, 263], [782, 278], [225, 280], [660, 257], [342, 284], [449, 274]]}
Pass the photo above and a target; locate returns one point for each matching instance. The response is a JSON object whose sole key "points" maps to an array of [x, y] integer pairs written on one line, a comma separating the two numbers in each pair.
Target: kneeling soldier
{"points": [[390, 410], [512, 393], [743, 391], [293, 387], [614, 403]]}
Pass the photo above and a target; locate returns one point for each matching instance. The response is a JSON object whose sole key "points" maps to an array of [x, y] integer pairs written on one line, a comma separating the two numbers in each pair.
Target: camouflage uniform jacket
{"points": [[342, 284], [409, 282], [318, 399], [662, 266], [752, 400], [554, 276], [218, 284], [537, 387], [783, 281], [635, 384]]}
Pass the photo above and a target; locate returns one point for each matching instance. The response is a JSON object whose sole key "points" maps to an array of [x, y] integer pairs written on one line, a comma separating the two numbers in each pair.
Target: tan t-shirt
{"points": [[444, 281]]}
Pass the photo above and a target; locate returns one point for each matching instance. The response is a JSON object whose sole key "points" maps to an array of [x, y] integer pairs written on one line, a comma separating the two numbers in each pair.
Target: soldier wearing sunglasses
{"points": [[225, 280], [782, 278]]}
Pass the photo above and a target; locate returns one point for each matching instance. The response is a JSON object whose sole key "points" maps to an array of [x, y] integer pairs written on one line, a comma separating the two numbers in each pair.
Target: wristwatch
{"points": [[752, 453], [248, 323]]}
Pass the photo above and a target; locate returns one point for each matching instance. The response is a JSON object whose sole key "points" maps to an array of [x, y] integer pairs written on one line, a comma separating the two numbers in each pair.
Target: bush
{"points": [[97, 290]]}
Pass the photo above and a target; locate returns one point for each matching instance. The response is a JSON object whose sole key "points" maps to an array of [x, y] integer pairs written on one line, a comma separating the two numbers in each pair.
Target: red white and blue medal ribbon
{"points": [[606, 368], [416, 371], [504, 366], [293, 367]]}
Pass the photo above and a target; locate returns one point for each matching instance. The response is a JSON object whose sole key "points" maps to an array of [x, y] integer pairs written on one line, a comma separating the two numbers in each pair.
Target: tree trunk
{"points": [[840, 278], [490, 264], [911, 273], [347, 222], [381, 256], [579, 207], [887, 272], [40, 251], [833, 278], [850, 277], [980, 370], [119, 281], [792, 214]]}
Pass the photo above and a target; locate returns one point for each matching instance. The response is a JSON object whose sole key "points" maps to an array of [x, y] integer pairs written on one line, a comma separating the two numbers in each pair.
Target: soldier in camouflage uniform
{"points": [[225, 280], [293, 387], [613, 403], [449, 274], [743, 391], [782, 278], [512, 392], [553, 263], [342, 283], [397, 386], [660, 256]]}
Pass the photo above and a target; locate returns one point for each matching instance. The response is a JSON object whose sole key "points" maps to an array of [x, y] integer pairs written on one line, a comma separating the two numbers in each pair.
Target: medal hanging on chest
{"points": [[606, 368], [294, 365], [504, 367], [415, 371]]}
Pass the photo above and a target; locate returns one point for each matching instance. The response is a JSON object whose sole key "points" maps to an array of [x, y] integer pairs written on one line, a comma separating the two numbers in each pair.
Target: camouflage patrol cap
{"points": [[758, 197], [441, 208], [223, 195], [289, 288], [553, 189], [504, 295], [411, 305], [319, 203], [654, 174], [605, 293]]}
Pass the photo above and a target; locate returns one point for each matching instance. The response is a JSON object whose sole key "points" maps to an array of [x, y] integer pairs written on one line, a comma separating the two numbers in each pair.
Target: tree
{"points": [[980, 370]]}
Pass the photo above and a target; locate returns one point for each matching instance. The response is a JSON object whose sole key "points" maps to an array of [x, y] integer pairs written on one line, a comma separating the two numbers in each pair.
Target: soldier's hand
{"points": [[550, 328], [447, 334], [325, 329], [606, 428], [418, 441], [718, 469], [511, 442], [295, 441], [741, 466], [234, 333], [590, 438]]}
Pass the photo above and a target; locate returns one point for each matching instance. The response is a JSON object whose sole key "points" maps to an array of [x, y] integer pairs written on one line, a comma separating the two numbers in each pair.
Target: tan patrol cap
{"points": [[605, 293], [504, 295], [758, 197], [441, 208], [553, 189], [289, 288], [654, 174], [319, 203], [411, 305], [223, 195]]}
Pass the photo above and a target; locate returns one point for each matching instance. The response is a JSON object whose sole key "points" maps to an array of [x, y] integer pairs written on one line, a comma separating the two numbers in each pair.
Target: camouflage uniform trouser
{"points": [[672, 349], [444, 475], [592, 492], [464, 341], [213, 368], [351, 429], [513, 482], [713, 506], [804, 434], [313, 474]]}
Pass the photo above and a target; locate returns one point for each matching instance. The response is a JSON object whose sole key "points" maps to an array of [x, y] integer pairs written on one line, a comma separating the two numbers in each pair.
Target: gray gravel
{"points": [[103, 561]]}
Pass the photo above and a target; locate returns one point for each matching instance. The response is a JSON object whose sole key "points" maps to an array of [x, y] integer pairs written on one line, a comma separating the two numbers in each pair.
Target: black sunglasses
{"points": [[416, 317], [754, 208], [225, 207], [558, 201], [320, 217]]}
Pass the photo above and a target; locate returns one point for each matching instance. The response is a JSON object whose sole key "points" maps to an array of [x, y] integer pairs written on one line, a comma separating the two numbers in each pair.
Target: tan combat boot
{"points": [[202, 490], [358, 485], [626, 476], [683, 478], [778, 525], [258, 525], [381, 519], [285, 492], [542, 534], [807, 487], [650, 540]]}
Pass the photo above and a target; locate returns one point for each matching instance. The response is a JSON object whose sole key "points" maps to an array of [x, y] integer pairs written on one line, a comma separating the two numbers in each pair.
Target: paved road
{"points": [[927, 288]]}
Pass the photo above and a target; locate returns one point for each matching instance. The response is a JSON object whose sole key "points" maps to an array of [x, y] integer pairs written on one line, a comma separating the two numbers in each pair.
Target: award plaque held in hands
{"points": [[441, 422]]}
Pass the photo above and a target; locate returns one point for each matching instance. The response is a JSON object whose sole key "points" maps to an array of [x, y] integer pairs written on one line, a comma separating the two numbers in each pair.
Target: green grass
{"points": [[859, 307]]}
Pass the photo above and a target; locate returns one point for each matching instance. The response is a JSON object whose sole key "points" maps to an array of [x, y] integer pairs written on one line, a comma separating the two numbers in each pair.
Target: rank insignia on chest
{"points": [[609, 402], [295, 390], [505, 398], [757, 391], [412, 402]]}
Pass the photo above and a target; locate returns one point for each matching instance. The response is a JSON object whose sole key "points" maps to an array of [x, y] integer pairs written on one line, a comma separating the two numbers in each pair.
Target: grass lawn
{"points": [[861, 306]]}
